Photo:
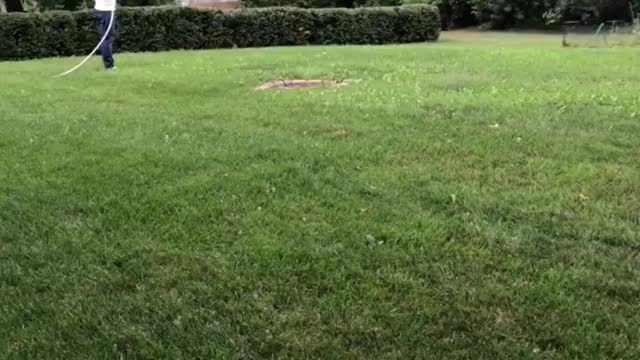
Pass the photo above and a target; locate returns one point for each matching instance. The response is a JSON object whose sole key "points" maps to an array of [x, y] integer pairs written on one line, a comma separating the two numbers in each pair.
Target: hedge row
{"points": [[495, 13], [27, 36], [316, 4], [72, 5]]}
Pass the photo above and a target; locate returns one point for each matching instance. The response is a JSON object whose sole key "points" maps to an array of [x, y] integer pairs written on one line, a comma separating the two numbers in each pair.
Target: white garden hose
{"points": [[104, 37]]}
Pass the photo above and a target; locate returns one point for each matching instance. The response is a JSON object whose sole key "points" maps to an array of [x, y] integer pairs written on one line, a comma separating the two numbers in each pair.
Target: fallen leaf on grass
{"points": [[583, 197]]}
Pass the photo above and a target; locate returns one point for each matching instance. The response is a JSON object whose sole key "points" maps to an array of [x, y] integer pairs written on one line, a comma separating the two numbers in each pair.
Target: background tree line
{"points": [[496, 14]]}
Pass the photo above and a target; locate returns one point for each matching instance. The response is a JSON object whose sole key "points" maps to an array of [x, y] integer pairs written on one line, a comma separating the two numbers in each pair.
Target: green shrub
{"points": [[71, 5], [26, 36], [377, 3], [496, 13], [507, 13], [31, 36], [591, 10], [313, 4], [454, 13], [321, 4]]}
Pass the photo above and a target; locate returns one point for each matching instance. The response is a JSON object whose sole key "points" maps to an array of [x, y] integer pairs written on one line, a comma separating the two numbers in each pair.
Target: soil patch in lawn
{"points": [[296, 84]]}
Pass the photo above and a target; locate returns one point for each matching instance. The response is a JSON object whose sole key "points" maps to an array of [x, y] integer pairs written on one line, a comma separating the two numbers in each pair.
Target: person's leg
{"points": [[106, 49]]}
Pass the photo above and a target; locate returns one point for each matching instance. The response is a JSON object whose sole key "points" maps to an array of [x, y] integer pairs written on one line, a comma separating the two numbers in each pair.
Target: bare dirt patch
{"points": [[296, 84]]}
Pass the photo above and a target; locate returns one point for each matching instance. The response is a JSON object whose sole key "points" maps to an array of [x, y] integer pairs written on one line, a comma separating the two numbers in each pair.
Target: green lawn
{"points": [[485, 204]]}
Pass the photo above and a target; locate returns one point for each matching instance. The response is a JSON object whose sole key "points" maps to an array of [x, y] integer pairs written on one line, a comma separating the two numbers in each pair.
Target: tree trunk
{"points": [[13, 5], [3, 7]]}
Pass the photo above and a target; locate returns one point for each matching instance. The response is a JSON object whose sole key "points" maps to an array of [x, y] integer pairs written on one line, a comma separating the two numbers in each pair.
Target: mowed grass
{"points": [[484, 203]]}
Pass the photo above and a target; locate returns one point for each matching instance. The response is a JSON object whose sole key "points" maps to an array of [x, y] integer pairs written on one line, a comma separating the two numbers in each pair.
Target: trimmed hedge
{"points": [[454, 13], [28, 36], [492, 13], [322, 4]]}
